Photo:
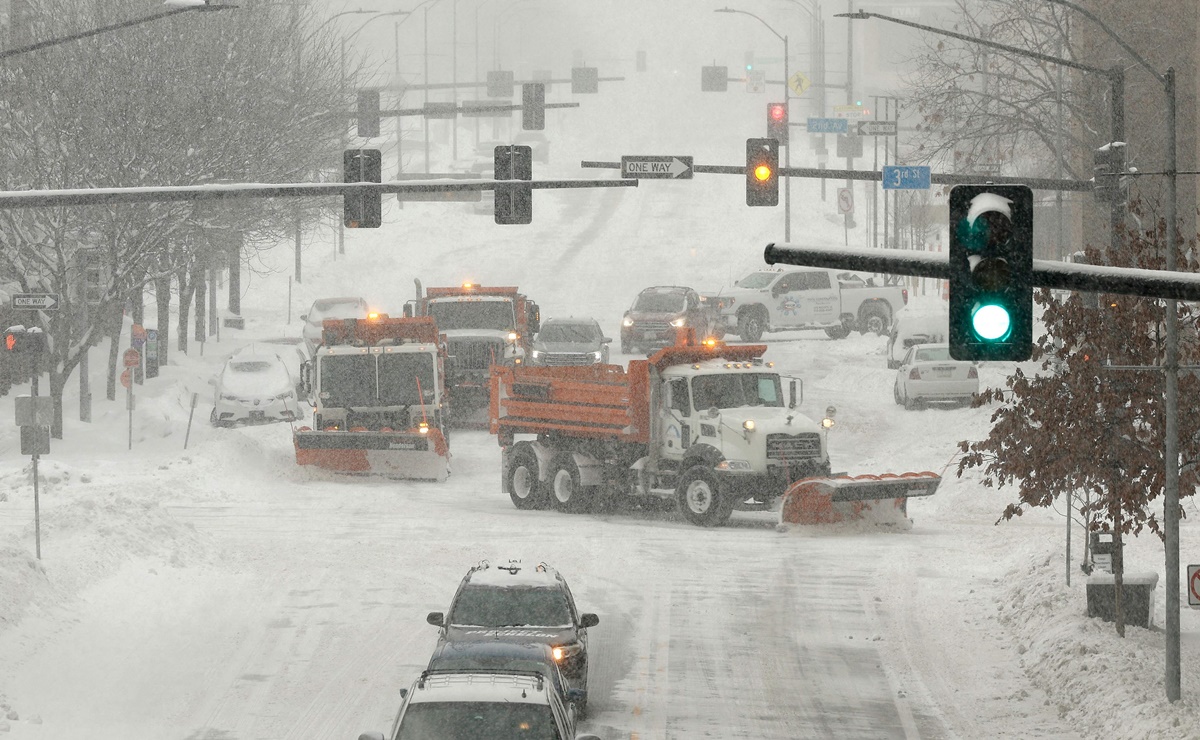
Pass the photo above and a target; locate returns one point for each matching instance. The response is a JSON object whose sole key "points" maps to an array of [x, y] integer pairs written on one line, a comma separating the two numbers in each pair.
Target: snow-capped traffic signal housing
{"points": [[991, 266], [777, 122], [22, 342], [762, 172], [362, 210]]}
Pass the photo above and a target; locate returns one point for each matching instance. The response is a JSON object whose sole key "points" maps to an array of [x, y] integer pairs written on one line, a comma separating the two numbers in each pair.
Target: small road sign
{"points": [[656, 167], [799, 82], [845, 200], [137, 336], [127, 377], [905, 177], [1193, 586], [35, 301], [756, 81], [131, 358], [828, 126], [34, 411], [847, 110], [877, 128]]}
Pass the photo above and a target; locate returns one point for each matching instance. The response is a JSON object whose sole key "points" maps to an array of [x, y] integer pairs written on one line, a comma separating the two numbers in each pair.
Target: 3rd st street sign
{"points": [[656, 167]]}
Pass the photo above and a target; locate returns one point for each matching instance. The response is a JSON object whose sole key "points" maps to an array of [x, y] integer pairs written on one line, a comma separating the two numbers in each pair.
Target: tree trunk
{"points": [[162, 298], [198, 274], [1118, 575], [185, 306], [113, 325], [58, 381]]}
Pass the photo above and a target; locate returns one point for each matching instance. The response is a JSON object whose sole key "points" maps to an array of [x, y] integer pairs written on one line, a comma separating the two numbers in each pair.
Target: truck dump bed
{"points": [[596, 401]]}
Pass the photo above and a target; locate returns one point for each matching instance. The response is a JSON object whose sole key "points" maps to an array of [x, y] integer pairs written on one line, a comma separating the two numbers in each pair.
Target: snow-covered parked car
{"points": [[330, 308], [254, 388], [928, 374]]}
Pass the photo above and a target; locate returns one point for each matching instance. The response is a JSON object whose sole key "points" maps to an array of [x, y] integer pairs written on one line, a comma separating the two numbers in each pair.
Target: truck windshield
{"points": [[729, 390], [348, 380], [473, 314], [401, 374], [468, 720], [757, 280]]}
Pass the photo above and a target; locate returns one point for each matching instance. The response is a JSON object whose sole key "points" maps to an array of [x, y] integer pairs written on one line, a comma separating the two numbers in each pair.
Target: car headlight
{"points": [[597, 355], [679, 322], [734, 465], [565, 652], [627, 321]]}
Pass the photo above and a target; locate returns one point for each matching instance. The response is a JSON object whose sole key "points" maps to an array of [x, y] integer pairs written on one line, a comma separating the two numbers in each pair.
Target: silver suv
{"points": [[497, 705]]}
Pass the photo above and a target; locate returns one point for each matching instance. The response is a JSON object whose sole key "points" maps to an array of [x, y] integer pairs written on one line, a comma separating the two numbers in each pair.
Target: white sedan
{"points": [[254, 388], [928, 374]]}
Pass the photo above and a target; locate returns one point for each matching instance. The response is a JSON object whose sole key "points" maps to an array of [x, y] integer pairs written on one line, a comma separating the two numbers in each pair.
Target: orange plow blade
{"points": [[408, 454], [877, 498]]}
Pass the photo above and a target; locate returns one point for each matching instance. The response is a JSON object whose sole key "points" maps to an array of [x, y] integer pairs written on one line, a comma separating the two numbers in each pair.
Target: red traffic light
{"points": [[777, 111], [10, 342]]}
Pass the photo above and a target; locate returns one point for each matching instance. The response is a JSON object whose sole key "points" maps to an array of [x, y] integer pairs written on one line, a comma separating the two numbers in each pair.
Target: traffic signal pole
{"points": [[787, 154]]}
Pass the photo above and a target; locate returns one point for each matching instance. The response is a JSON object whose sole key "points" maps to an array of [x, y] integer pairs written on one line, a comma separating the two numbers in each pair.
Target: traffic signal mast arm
{"points": [[1183, 286], [936, 178]]}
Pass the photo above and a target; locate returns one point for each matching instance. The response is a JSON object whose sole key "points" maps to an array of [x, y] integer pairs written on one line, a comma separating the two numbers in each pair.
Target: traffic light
{"points": [[714, 79], [513, 202], [750, 61], [1109, 165], [762, 172], [777, 122], [362, 210], [368, 113], [19, 341], [991, 266], [533, 106]]}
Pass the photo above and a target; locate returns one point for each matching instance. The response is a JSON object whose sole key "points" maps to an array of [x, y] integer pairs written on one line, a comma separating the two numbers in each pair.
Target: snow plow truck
{"points": [[377, 386], [705, 425], [483, 327]]}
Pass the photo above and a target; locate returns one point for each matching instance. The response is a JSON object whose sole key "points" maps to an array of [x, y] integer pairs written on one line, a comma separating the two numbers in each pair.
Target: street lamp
{"points": [[787, 155], [175, 8]]}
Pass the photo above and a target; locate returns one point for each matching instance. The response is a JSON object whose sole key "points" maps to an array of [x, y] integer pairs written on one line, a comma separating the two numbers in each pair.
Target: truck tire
{"points": [[751, 324], [521, 480], [700, 499], [874, 321], [840, 332], [566, 492]]}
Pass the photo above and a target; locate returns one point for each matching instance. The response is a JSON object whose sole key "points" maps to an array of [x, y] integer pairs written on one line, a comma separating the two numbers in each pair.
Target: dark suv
{"points": [[655, 317], [522, 604]]}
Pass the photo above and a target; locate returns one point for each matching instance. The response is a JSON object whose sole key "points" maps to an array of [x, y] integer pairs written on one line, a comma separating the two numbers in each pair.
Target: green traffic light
{"points": [[991, 322]]}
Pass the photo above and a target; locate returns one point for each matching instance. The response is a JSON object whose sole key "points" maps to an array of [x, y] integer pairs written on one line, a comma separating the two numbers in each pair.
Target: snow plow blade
{"points": [[412, 454], [878, 498]]}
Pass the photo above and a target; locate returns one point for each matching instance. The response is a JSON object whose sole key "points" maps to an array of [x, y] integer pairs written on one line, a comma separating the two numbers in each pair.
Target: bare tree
{"points": [[197, 98]]}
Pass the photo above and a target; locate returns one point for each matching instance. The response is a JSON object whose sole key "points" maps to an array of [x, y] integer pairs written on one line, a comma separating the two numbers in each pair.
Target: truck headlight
{"points": [[627, 321], [563, 652], [597, 355], [536, 354], [748, 425], [679, 322], [735, 465]]}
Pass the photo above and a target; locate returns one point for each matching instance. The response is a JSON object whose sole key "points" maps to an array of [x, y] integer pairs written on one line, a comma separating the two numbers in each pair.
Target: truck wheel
{"points": [[700, 499], [751, 326], [566, 492], [524, 488], [874, 322], [840, 332]]}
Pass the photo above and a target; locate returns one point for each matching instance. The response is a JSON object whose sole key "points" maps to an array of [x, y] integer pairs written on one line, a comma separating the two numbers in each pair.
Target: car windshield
{"points": [[583, 333], [660, 303], [252, 366], [487, 606], [733, 390], [478, 720], [933, 354], [348, 380], [757, 280], [473, 314], [405, 378]]}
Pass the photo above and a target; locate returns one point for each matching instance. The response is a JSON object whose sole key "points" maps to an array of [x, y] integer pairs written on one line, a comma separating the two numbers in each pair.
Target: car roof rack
{"points": [[429, 673]]}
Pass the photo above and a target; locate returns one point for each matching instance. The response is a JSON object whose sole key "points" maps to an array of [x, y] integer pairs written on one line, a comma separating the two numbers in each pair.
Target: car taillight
{"points": [[904, 292], [915, 374], [972, 373]]}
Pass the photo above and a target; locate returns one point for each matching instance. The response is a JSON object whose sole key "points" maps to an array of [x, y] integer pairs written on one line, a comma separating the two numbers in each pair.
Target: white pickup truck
{"points": [[787, 298]]}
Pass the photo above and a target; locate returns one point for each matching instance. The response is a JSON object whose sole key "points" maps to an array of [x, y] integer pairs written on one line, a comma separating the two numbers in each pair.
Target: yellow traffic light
{"points": [[762, 173]]}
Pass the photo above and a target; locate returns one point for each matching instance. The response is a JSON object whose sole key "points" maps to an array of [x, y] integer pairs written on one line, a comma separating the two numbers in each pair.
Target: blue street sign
{"points": [[904, 177], [828, 126]]}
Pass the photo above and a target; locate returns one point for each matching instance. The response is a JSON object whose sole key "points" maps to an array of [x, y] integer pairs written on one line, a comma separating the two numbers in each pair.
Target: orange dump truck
{"points": [[707, 426], [378, 387]]}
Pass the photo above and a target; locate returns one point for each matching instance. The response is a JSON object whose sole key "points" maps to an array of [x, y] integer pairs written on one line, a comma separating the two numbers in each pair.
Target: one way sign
{"points": [[653, 167], [42, 301]]}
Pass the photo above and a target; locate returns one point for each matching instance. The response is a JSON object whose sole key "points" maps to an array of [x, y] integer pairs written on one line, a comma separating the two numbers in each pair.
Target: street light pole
{"points": [[787, 154]]}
